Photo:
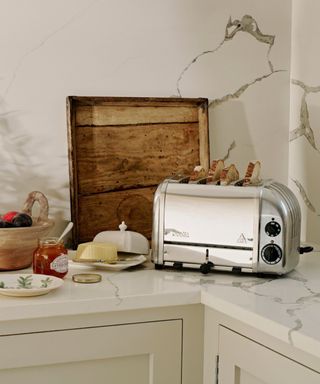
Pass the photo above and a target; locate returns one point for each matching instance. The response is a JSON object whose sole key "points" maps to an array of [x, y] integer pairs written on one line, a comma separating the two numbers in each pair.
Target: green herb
{"points": [[2, 285], [46, 282], [25, 282]]}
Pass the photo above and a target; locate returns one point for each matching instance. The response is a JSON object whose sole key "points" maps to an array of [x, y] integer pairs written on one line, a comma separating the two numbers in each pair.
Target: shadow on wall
{"points": [[20, 173], [232, 117]]}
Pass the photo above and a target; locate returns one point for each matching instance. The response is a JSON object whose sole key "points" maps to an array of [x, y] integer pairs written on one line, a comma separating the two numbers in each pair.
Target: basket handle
{"points": [[40, 198]]}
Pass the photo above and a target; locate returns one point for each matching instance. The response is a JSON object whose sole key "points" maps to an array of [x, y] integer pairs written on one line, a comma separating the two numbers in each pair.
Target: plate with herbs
{"points": [[123, 262], [17, 284]]}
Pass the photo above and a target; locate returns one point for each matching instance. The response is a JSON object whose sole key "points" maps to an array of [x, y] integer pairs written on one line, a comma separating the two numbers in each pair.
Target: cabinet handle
{"points": [[217, 369]]}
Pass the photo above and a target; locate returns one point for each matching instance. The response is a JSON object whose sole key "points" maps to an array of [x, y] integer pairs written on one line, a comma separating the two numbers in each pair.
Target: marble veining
{"points": [[299, 304], [116, 289], [285, 307], [248, 25], [235, 95], [42, 42], [195, 59], [231, 147], [292, 307], [304, 196], [305, 128]]}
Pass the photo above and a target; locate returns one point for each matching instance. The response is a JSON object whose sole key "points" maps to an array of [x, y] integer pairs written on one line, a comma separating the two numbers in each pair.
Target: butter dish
{"points": [[105, 252], [125, 241]]}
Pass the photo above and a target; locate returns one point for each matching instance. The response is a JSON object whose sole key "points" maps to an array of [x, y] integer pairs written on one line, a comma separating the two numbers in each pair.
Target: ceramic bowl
{"points": [[18, 244]]}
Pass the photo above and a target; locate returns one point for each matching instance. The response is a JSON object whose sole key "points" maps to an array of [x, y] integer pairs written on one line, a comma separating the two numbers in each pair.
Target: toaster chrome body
{"points": [[240, 228]]}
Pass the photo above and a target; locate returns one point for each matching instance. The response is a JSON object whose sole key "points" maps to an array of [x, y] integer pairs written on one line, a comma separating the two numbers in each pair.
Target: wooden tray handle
{"points": [[40, 198]]}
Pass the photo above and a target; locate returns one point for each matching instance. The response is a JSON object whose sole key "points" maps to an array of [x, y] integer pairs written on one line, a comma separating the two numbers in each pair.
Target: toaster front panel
{"points": [[220, 257], [219, 222]]}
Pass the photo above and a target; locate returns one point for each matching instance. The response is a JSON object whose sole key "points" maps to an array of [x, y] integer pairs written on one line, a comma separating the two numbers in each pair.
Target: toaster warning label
{"points": [[242, 239]]}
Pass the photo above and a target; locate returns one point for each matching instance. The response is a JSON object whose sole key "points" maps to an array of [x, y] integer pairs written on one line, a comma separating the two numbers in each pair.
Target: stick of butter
{"points": [[97, 252]]}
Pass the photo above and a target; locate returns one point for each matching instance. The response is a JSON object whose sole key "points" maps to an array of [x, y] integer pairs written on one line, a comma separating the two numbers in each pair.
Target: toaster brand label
{"points": [[176, 233]]}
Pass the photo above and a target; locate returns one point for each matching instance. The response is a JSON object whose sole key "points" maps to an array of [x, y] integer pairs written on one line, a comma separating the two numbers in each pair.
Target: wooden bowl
{"points": [[18, 244]]}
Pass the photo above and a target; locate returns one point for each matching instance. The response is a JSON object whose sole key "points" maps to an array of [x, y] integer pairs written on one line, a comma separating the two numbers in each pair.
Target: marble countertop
{"points": [[287, 307]]}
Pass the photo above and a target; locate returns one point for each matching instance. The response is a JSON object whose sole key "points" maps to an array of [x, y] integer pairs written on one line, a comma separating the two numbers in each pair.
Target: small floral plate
{"points": [[28, 284]]}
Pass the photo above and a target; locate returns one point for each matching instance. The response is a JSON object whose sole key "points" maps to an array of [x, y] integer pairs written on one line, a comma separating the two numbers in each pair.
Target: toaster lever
{"points": [[306, 249], [206, 267]]}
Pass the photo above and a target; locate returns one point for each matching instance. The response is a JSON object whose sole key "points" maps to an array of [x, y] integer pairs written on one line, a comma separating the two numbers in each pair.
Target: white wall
{"points": [[54, 48]]}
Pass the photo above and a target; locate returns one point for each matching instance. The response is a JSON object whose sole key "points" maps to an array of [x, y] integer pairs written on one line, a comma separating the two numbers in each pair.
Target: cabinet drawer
{"points": [[131, 353]]}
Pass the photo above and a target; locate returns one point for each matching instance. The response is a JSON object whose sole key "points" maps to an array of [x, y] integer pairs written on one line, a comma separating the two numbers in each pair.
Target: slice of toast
{"points": [[215, 170], [198, 173], [229, 175], [252, 176]]}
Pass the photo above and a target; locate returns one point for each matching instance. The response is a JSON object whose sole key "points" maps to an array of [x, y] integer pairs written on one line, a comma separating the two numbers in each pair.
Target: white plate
{"points": [[17, 284], [124, 263]]}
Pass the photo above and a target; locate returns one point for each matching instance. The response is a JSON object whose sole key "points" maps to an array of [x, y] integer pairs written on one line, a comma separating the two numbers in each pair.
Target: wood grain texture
{"points": [[116, 158], [121, 115], [121, 148], [203, 125], [106, 211]]}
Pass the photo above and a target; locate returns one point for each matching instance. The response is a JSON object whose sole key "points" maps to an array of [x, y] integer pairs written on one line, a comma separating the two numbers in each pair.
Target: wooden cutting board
{"points": [[120, 149]]}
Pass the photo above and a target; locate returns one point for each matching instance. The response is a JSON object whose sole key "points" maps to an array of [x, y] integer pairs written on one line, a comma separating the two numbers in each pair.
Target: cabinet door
{"points": [[243, 361], [141, 353]]}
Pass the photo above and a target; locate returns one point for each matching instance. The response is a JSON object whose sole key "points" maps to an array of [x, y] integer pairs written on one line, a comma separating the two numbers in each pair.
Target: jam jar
{"points": [[50, 258]]}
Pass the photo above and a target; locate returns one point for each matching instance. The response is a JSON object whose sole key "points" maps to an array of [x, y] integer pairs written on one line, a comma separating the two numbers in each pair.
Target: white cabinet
{"points": [[238, 353], [155, 345], [244, 361], [139, 353]]}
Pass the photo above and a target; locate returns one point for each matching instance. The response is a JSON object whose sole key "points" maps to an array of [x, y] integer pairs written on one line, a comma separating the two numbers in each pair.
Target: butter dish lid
{"points": [[126, 241]]}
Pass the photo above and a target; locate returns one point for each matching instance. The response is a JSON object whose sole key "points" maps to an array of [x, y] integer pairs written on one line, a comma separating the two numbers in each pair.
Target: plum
{"points": [[15, 219], [5, 224], [22, 220]]}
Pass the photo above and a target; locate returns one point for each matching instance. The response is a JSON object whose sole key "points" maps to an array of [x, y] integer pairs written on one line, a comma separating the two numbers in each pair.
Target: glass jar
{"points": [[50, 258]]}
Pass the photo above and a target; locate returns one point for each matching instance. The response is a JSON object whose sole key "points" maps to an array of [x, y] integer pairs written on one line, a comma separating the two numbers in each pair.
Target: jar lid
{"points": [[48, 241], [86, 278]]}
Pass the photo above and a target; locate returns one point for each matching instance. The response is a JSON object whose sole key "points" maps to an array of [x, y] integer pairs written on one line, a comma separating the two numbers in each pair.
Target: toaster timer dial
{"points": [[272, 228], [271, 254]]}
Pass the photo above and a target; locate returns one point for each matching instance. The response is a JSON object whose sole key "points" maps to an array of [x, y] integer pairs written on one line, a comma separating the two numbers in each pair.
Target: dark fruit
{"points": [[5, 224], [9, 216], [22, 220], [15, 219]]}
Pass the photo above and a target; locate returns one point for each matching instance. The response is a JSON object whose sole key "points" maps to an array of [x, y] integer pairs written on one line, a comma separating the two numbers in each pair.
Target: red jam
{"points": [[50, 258]]}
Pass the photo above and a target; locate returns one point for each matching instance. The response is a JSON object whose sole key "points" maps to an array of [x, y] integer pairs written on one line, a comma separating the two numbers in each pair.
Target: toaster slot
{"points": [[181, 179], [199, 254], [203, 180]]}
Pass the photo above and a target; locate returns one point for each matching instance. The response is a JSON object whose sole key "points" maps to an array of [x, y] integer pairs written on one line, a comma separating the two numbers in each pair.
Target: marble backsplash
{"points": [[254, 60], [304, 155]]}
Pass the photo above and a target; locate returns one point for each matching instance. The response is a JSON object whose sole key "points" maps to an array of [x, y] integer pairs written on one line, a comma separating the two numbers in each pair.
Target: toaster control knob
{"points": [[271, 254], [272, 228]]}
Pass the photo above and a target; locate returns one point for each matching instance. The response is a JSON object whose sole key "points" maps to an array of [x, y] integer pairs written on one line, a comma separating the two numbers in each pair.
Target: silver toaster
{"points": [[239, 228]]}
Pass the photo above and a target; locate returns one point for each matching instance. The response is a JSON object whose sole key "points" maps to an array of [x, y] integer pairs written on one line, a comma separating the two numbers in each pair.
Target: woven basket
{"points": [[18, 244]]}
